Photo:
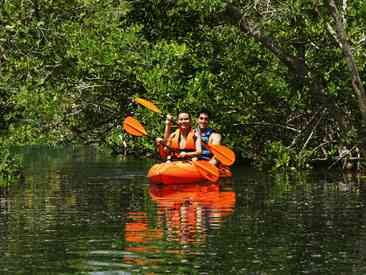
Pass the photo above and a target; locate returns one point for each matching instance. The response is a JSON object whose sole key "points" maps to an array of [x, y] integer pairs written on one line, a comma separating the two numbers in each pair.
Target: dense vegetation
{"points": [[283, 79]]}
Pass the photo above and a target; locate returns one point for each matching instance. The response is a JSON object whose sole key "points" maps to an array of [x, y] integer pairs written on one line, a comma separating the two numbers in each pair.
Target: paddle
{"points": [[133, 127], [206, 169], [222, 153], [148, 104]]}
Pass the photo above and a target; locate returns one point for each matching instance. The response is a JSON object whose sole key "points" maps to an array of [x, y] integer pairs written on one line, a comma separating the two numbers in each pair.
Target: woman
{"points": [[184, 143]]}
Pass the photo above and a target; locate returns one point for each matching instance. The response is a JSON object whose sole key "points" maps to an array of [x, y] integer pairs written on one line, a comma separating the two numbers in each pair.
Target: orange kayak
{"points": [[180, 172]]}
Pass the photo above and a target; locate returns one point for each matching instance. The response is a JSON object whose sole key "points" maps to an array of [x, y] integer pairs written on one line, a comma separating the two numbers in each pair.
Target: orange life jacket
{"points": [[190, 145]]}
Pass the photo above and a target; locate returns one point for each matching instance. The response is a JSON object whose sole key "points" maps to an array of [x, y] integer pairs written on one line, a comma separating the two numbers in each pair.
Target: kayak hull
{"points": [[179, 172]]}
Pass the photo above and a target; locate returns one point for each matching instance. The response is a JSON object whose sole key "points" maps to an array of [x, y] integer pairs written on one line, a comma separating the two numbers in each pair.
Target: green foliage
{"points": [[69, 69], [276, 157], [10, 167]]}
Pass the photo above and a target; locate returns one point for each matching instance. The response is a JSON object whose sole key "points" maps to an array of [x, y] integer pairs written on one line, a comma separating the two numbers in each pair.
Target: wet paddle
{"points": [[206, 169]]}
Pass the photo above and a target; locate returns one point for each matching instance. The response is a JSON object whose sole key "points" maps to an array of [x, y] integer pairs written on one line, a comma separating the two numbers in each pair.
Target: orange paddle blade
{"points": [[222, 153], [148, 104], [133, 127], [207, 170]]}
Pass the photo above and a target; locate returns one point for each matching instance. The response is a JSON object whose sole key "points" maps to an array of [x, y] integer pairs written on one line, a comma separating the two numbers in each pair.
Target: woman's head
{"points": [[184, 120]]}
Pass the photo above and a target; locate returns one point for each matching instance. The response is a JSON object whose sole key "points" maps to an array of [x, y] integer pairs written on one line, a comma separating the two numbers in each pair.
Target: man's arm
{"points": [[215, 138]]}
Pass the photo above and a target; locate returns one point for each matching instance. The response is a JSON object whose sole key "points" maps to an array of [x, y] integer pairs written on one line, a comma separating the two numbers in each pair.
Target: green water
{"points": [[80, 211]]}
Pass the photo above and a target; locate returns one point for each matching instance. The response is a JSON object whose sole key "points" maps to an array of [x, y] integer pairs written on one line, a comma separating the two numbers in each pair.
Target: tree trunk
{"points": [[346, 48]]}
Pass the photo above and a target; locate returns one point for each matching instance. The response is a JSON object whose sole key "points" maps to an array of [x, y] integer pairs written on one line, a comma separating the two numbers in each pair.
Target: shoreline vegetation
{"points": [[10, 168], [284, 81]]}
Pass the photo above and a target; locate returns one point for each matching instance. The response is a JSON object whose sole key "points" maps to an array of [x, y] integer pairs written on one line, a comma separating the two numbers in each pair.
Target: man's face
{"points": [[184, 121], [202, 121]]}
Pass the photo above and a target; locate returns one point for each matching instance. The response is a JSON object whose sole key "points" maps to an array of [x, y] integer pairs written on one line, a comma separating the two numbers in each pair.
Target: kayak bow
{"points": [[180, 172]]}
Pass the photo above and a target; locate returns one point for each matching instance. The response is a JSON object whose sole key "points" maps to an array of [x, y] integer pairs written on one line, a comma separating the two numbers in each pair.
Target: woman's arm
{"points": [[168, 126]]}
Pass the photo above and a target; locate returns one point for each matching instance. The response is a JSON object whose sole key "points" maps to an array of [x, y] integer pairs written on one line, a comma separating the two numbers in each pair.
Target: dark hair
{"points": [[184, 112], [203, 111]]}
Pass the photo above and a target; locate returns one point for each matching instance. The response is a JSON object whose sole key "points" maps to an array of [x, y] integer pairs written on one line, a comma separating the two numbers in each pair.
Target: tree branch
{"points": [[343, 39], [295, 63]]}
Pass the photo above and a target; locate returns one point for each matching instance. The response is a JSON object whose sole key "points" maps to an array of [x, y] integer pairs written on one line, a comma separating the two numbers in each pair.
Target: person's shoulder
{"points": [[213, 131], [216, 134], [215, 138]]}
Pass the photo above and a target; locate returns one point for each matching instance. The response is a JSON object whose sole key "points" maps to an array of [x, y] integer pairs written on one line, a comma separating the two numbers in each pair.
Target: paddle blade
{"points": [[148, 104], [207, 170], [133, 127], [222, 153]]}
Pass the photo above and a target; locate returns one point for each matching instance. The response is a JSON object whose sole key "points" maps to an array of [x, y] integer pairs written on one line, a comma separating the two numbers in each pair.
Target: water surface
{"points": [[80, 211]]}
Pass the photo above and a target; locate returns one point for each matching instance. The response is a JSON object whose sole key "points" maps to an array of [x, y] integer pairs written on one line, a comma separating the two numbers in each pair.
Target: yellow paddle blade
{"points": [[133, 127], [148, 104], [207, 170], [222, 153]]}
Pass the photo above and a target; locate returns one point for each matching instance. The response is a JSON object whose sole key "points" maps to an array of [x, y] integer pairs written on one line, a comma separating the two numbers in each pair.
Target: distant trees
{"points": [[282, 78]]}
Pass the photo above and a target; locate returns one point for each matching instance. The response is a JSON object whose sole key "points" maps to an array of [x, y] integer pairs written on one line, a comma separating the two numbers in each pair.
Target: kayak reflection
{"points": [[184, 216], [189, 210]]}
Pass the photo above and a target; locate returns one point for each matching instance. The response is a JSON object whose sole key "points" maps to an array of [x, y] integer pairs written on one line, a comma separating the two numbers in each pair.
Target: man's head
{"points": [[203, 119]]}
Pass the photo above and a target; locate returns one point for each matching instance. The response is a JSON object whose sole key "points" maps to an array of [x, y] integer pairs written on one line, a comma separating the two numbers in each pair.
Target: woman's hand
{"points": [[169, 120], [159, 141]]}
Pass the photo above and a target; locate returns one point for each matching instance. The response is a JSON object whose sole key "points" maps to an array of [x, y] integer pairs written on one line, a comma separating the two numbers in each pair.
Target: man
{"points": [[184, 143], [208, 135]]}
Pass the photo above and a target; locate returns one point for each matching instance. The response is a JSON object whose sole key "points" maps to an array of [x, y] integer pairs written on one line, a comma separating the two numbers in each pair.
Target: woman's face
{"points": [[184, 121]]}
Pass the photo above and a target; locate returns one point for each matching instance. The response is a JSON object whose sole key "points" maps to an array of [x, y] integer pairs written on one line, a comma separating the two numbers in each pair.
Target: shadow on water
{"points": [[81, 211]]}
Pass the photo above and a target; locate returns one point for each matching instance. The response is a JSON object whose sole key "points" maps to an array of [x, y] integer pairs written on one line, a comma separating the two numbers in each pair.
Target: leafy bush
{"points": [[10, 167]]}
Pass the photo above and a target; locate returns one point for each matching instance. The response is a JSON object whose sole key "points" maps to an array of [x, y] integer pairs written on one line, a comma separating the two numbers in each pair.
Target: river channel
{"points": [[82, 211]]}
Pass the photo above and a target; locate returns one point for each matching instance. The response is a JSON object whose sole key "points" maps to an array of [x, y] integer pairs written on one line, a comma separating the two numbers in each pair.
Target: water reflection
{"points": [[182, 219], [84, 213]]}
